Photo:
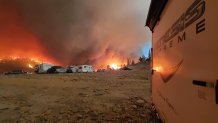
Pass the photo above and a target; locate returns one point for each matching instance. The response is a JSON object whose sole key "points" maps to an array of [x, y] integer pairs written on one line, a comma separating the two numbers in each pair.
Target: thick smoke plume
{"points": [[74, 31]]}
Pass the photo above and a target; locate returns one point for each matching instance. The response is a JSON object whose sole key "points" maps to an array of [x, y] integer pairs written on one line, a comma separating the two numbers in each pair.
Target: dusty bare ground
{"points": [[121, 96]]}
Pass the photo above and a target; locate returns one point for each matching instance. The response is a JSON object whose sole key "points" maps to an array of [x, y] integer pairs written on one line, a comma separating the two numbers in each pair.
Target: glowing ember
{"points": [[15, 57], [30, 66], [114, 66], [158, 69]]}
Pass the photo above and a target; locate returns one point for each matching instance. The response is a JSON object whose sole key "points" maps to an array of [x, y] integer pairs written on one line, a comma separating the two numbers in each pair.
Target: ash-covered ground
{"points": [[114, 96]]}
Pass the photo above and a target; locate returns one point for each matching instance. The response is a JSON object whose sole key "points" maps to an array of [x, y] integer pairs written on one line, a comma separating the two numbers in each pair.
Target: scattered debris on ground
{"points": [[116, 96]]}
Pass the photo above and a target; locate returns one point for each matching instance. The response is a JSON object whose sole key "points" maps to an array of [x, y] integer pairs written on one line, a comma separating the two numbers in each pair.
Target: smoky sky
{"points": [[79, 31]]}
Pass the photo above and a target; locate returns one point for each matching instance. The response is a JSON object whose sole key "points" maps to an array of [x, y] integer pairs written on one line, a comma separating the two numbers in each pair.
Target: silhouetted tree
{"points": [[108, 67], [128, 61], [133, 62], [142, 58], [149, 56]]}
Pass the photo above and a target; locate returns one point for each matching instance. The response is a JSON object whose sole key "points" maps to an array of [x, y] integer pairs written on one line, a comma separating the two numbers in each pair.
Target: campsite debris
{"points": [[17, 108], [98, 92], [4, 108], [16, 72], [134, 106], [140, 102], [98, 97], [79, 116], [126, 68], [83, 95]]}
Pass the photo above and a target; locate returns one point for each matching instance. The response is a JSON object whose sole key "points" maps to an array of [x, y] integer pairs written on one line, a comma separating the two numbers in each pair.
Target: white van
{"points": [[85, 68], [185, 60], [43, 68]]}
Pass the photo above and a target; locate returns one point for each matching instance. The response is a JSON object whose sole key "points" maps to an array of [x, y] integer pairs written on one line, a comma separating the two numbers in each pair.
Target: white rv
{"points": [[185, 60], [85, 68], [43, 68]]}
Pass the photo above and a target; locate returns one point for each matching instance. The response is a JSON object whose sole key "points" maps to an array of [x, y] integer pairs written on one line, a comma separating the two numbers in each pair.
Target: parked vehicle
{"points": [[184, 60], [42, 68], [72, 69], [16, 72], [85, 68], [56, 69]]}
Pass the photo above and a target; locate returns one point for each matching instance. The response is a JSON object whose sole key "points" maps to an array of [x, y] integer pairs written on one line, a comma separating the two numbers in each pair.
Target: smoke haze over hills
{"points": [[74, 31]]}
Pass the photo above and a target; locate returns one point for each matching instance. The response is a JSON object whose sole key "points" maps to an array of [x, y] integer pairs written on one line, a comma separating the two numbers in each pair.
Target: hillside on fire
{"points": [[75, 61], [108, 61], [74, 32]]}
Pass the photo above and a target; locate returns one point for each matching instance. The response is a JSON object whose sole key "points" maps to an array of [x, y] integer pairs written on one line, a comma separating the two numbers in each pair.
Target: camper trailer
{"points": [[85, 69], [43, 68], [184, 60]]}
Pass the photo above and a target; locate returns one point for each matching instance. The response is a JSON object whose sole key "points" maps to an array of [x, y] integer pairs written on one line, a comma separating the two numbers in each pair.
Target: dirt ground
{"points": [[115, 96]]}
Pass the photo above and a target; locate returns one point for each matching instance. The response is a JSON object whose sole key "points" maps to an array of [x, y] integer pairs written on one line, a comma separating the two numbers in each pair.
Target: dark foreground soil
{"points": [[113, 97]]}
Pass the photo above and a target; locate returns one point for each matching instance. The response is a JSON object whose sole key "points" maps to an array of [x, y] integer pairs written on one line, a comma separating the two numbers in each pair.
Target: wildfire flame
{"points": [[30, 66], [19, 62], [114, 66], [158, 69], [35, 60]]}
